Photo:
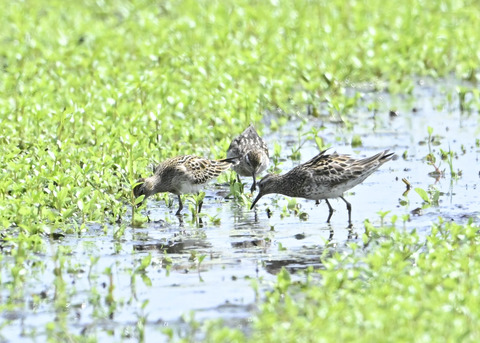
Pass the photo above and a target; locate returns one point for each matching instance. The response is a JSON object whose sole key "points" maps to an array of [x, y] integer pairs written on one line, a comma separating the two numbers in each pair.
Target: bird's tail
{"points": [[386, 156], [381, 157]]}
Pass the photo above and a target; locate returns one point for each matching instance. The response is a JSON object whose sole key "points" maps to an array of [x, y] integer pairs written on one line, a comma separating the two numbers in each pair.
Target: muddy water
{"points": [[252, 246]]}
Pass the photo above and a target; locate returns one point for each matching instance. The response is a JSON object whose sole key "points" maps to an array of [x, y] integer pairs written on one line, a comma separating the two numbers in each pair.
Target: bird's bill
{"points": [[140, 200], [256, 199]]}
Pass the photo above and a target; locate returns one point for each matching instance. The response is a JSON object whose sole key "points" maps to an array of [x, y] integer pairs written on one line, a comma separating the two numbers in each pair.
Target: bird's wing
{"points": [[332, 169], [201, 170]]}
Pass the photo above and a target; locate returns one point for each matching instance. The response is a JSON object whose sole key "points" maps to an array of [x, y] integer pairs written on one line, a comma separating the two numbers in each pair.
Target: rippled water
{"points": [[254, 245]]}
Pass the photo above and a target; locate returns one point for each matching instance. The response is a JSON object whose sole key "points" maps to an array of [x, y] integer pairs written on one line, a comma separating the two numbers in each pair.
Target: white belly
{"points": [[188, 188]]}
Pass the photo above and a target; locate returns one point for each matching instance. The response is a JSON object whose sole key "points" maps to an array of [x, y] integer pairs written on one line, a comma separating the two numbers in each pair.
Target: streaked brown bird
{"points": [[180, 175], [326, 176], [252, 152]]}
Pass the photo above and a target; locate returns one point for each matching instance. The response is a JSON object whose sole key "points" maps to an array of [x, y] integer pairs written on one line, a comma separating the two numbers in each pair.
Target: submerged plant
{"points": [[448, 156], [431, 159]]}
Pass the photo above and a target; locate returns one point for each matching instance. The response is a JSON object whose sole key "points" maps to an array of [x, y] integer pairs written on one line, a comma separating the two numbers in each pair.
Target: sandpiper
{"points": [[180, 175], [326, 176], [252, 152]]}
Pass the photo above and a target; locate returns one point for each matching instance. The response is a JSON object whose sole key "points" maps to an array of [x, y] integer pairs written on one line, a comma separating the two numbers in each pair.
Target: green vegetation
{"points": [[95, 92], [394, 287]]}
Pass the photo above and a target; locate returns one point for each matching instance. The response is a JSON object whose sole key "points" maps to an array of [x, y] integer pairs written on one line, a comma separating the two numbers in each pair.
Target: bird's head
{"points": [[140, 189], [254, 159], [266, 186]]}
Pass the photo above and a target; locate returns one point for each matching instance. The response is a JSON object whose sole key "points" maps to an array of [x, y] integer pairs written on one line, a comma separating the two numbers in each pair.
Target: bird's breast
{"points": [[188, 187]]}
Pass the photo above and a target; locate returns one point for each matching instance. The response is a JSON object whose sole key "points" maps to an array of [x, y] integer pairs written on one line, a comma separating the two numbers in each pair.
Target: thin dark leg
{"points": [[330, 211], [200, 206], [351, 234], [317, 202], [180, 206], [330, 236], [254, 185], [238, 179], [180, 220], [349, 208]]}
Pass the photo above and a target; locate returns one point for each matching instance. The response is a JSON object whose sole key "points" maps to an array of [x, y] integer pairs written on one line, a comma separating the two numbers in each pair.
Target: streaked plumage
{"points": [[326, 176], [180, 175], [252, 152]]}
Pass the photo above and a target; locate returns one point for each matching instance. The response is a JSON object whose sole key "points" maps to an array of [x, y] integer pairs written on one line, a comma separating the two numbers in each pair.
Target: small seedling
{"points": [[431, 157], [382, 215], [356, 141]]}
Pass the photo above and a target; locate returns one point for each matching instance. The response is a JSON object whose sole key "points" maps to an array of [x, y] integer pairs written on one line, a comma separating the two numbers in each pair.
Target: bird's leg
{"points": [[254, 185], [317, 202], [180, 221], [349, 208], [199, 201], [330, 211], [330, 236], [238, 179], [180, 205], [351, 234]]}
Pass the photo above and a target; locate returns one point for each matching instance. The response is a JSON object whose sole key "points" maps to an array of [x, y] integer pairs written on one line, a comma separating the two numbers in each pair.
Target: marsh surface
{"points": [[208, 267]]}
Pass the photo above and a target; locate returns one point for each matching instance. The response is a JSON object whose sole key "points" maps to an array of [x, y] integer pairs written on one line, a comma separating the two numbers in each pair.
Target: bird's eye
{"points": [[138, 190]]}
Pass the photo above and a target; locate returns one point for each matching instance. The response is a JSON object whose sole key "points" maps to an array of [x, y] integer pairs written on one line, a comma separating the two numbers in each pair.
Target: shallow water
{"points": [[254, 245]]}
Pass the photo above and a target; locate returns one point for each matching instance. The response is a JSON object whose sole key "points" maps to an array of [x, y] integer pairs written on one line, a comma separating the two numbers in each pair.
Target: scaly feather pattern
{"points": [[252, 152], [182, 174], [325, 176]]}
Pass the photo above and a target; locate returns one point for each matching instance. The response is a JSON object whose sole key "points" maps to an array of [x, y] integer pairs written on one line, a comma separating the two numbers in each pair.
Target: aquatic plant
{"points": [[414, 279], [96, 92]]}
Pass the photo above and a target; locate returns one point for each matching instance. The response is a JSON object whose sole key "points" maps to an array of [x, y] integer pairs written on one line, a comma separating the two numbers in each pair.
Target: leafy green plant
{"points": [[431, 197], [468, 98], [382, 215], [314, 134], [421, 278], [198, 202], [448, 156], [144, 264], [237, 191], [199, 262], [431, 159], [95, 92], [277, 149], [356, 141]]}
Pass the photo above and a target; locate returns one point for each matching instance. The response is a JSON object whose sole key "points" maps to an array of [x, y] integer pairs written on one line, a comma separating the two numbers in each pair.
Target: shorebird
{"points": [[326, 176], [252, 152], [180, 175]]}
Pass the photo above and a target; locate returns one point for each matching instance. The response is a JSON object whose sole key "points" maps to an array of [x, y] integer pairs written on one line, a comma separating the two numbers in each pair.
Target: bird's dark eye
{"points": [[138, 190]]}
